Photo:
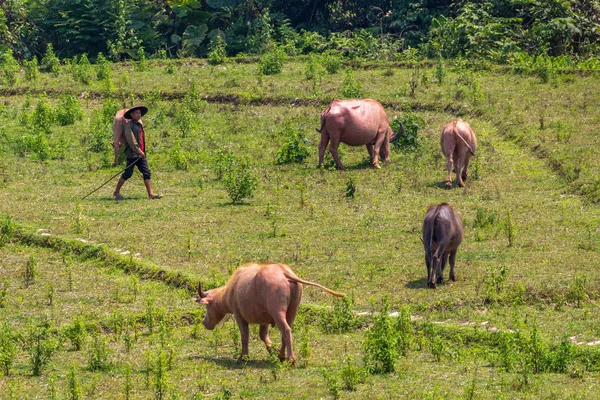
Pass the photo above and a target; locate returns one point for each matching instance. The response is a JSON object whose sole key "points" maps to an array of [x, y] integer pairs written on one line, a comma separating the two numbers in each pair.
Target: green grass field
{"points": [[520, 322]]}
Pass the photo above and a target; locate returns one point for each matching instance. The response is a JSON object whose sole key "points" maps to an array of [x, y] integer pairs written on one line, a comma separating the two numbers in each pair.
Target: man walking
{"points": [[135, 151]]}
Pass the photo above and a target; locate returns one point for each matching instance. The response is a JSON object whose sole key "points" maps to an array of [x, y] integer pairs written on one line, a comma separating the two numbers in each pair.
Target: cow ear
{"points": [[205, 300]]}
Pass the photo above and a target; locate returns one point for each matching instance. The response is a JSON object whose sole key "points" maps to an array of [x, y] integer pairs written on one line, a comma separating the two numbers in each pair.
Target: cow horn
{"points": [[201, 293]]}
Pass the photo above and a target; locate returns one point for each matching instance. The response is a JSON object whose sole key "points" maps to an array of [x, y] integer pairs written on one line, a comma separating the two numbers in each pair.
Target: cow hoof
{"points": [[439, 280], [431, 285], [448, 185], [461, 184]]}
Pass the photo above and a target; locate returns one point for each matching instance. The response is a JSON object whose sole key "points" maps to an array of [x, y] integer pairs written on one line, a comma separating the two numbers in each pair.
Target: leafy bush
{"points": [[271, 63], [314, 70], [76, 333], [10, 67], [240, 182], [31, 69], [8, 347], [332, 62], [68, 110], [410, 139], [98, 353], [352, 88], [295, 149], [50, 62], [380, 346], [41, 346], [103, 69], [82, 69], [43, 116], [179, 159], [218, 51], [341, 319]]}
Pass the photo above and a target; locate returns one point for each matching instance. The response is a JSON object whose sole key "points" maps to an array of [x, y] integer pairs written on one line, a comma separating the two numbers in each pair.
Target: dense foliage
{"points": [[132, 29]]}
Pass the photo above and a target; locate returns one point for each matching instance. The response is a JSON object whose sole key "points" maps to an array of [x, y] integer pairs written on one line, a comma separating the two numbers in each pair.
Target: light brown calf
{"points": [[458, 145]]}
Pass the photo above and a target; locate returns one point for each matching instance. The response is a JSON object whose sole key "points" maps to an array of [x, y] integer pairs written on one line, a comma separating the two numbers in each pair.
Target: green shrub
{"points": [[41, 346], [352, 89], [43, 116], [380, 345], [218, 53], [76, 333], [8, 347], [3, 294], [222, 162], [74, 392], [82, 69], [240, 182], [340, 319], [50, 62], [409, 140], [271, 63], [30, 271], [98, 353], [179, 159], [68, 110], [332, 62], [10, 67], [295, 149], [352, 375], [31, 69], [103, 67], [314, 69]]}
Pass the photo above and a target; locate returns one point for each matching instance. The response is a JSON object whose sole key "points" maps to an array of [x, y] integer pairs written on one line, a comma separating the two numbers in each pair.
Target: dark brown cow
{"points": [[458, 145], [356, 123], [264, 294], [442, 234]]}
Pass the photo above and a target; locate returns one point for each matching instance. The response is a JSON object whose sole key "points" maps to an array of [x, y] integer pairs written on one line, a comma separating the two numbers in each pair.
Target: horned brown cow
{"points": [[264, 294], [356, 123], [458, 145], [442, 234]]}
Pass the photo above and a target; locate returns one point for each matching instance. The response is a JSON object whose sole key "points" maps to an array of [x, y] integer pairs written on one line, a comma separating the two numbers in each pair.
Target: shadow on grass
{"points": [[111, 198], [417, 284], [231, 363]]}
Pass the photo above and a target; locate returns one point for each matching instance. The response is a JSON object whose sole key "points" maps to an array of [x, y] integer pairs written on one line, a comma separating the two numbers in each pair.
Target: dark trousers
{"points": [[142, 165]]}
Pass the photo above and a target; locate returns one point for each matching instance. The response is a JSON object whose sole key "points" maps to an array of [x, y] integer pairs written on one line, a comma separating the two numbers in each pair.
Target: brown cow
{"points": [[265, 294], [119, 123], [458, 145], [356, 123], [442, 234]]}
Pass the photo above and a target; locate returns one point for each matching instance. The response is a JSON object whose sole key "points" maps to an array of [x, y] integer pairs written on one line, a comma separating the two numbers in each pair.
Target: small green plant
{"points": [[352, 375], [240, 182], [404, 330], [314, 70], [332, 380], [494, 283], [76, 333], [43, 115], [340, 319], [380, 350], [274, 364], [295, 149], [128, 388], [149, 316], [350, 188], [7, 230], [50, 295], [170, 68], [141, 63], [41, 346], [577, 292], [68, 110], [272, 63], [8, 347], [30, 271], [50, 62], [74, 392], [184, 120], [351, 89], [509, 228], [179, 159], [217, 54], [410, 125], [98, 353], [3, 294], [161, 377], [31, 69], [83, 70], [332, 62], [440, 73], [9, 67]]}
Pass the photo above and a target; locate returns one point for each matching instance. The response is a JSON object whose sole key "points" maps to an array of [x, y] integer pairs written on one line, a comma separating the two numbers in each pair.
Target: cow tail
{"points": [[323, 115], [294, 278], [463, 139]]}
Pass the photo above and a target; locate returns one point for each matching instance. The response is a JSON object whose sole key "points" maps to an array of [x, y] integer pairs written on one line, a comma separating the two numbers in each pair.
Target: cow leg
{"points": [[370, 150], [452, 261], [428, 264], [378, 143], [245, 334], [264, 336], [440, 276], [286, 338], [465, 172], [333, 149], [449, 163], [323, 146]]}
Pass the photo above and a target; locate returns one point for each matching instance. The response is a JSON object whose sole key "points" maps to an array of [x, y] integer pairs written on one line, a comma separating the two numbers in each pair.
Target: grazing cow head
{"points": [[214, 311]]}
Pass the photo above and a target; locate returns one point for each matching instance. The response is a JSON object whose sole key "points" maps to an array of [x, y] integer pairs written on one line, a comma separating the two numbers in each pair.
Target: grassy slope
{"points": [[368, 247]]}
